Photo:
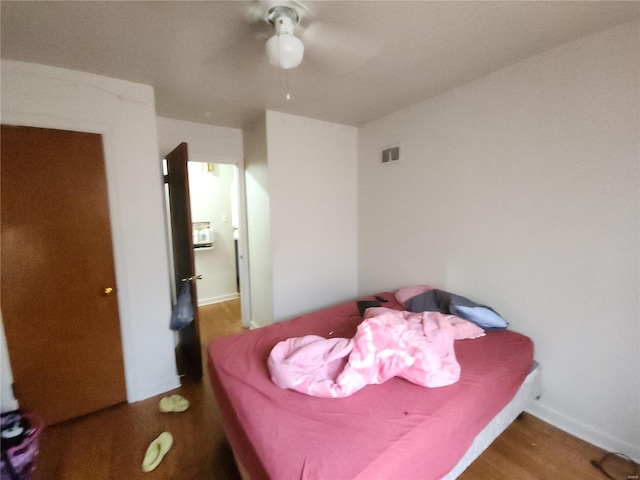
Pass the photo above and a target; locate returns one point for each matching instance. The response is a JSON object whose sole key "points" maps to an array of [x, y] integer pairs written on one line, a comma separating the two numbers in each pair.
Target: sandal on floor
{"points": [[174, 403], [156, 451]]}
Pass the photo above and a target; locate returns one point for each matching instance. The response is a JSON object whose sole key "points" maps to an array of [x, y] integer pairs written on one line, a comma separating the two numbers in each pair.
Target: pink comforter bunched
{"points": [[415, 346]]}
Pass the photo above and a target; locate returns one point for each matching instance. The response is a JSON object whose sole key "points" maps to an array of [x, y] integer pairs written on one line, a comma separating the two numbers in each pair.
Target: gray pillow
{"points": [[447, 303]]}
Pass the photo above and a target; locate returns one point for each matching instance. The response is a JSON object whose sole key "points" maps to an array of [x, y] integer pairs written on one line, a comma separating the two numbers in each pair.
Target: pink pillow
{"points": [[406, 293]]}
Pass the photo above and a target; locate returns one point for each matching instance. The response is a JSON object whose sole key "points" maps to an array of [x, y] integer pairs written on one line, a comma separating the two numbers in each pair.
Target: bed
{"points": [[396, 429]]}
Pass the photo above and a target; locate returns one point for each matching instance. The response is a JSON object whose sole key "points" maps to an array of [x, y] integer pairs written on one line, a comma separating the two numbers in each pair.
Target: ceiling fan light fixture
{"points": [[284, 49]]}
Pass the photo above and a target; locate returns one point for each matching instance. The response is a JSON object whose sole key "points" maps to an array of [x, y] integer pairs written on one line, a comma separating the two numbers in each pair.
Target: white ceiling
{"points": [[363, 59]]}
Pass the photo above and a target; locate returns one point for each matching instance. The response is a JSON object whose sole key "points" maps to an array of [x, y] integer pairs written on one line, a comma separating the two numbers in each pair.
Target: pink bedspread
{"points": [[389, 431], [388, 343]]}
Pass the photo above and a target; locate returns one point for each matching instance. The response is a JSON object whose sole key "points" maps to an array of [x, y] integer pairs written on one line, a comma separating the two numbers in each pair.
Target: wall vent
{"points": [[391, 154]]}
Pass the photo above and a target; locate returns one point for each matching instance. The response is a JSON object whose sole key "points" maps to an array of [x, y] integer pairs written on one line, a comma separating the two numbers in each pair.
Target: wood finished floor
{"points": [[110, 444]]}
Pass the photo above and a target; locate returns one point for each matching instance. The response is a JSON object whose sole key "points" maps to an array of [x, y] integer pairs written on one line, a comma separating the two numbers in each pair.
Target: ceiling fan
{"points": [[334, 49]]}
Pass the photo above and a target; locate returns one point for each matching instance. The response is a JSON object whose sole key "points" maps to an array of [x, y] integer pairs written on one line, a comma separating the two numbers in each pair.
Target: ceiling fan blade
{"points": [[244, 47], [337, 52]]}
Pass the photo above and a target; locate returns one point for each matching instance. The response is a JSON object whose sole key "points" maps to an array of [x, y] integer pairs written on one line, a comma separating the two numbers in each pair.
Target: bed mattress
{"points": [[393, 430]]}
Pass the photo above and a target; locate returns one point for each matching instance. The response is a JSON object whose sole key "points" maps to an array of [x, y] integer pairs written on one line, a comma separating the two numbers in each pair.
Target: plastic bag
{"points": [[182, 313], [19, 432]]}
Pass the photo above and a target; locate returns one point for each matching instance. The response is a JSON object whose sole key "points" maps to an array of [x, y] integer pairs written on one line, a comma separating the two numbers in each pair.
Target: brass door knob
{"points": [[107, 291]]}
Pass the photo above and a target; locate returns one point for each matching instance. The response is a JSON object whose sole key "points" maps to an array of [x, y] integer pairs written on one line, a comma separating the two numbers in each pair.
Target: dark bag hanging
{"points": [[182, 314]]}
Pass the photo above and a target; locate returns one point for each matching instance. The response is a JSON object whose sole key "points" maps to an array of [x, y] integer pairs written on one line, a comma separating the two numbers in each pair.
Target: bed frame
{"points": [[528, 392], [250, 406]]}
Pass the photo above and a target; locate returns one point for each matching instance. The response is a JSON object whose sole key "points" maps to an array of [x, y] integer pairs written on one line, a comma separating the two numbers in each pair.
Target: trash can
{"points": [[19, 432]]}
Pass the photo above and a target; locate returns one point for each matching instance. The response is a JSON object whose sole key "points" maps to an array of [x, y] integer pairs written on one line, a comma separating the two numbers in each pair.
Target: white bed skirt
{"points": [[528, 392]]}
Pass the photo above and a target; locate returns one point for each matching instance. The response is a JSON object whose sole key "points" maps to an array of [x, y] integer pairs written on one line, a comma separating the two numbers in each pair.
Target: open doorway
{"points": [[218, 230], [215, 215]]}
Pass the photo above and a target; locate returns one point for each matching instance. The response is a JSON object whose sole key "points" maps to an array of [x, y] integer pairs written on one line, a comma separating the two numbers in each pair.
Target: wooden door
{"points": [[58, 292], [188, 351]]}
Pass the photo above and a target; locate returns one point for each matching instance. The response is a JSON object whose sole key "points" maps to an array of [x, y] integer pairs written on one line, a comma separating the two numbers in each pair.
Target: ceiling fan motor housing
{"points": [[275, 13]]}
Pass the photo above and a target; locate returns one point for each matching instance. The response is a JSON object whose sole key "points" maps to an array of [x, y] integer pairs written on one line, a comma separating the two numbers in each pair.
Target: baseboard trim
{"points": [[219, 299], [253, 325], [584, 432], [170, 383]]}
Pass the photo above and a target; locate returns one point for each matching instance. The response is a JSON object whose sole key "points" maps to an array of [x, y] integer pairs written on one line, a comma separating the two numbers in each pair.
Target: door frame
{"points": [[108, 143], [128, 309], [86, 161], [243, 238]]}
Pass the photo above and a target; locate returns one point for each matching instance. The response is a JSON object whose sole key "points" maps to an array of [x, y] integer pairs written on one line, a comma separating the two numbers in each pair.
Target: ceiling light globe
{"points": [[285, 51]]}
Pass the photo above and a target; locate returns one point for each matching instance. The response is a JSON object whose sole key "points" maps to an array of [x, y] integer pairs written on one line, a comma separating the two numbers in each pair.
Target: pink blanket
{"points": [[388, 343]]}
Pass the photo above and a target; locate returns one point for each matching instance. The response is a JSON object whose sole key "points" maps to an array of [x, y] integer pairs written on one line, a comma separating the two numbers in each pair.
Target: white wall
{"points": [[124, 113], [259, 222], [218, 144], [7, 400], [521, 191], [313, 201], [302, 210]]}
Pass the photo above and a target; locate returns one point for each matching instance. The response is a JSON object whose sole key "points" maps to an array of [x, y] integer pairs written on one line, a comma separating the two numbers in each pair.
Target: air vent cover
{"points": [[391, 154]]}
